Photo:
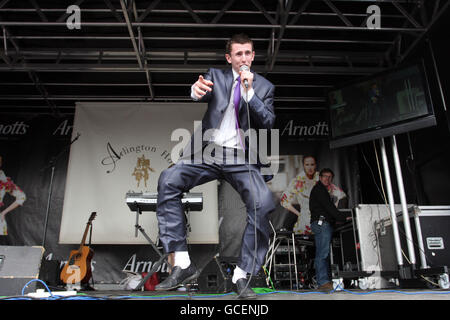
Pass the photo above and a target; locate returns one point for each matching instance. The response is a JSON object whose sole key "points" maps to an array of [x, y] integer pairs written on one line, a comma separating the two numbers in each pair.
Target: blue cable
{"points": [[33, 280], [390, 291], [397, 291], [81, 297], [294, 292], [176, 296], [52, 296], [281, 292]]}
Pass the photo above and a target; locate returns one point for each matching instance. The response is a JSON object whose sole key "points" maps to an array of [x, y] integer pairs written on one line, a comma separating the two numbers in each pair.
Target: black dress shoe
{"points": [[178, 278], [244, 291]]}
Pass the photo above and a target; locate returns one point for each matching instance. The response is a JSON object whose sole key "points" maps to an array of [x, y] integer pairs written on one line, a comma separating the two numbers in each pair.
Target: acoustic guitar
{"points": [[78, 268]]}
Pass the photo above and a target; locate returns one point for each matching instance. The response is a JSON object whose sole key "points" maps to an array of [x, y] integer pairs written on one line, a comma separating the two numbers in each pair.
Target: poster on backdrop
{"points": [[304, 151], [124, 148], [30, 145], [12, 195]]}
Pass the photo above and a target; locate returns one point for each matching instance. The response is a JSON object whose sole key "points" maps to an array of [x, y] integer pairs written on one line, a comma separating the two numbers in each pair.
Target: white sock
{"points": [[182, 259], [238, 274]]}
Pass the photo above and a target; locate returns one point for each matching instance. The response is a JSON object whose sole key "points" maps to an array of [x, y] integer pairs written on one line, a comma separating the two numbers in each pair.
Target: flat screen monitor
{"points": [[385, 104]]}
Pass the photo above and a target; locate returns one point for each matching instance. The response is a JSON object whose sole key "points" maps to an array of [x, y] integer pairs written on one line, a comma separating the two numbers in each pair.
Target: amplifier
{"points": [[434, 233], [435, 225], [18, 266]]}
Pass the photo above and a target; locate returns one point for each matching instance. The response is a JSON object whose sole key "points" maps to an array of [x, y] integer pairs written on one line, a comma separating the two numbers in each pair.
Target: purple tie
{"points": [[236, 100]]}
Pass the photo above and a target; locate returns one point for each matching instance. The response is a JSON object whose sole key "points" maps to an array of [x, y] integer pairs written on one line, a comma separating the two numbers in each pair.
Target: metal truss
{"points": [[130, 50]]}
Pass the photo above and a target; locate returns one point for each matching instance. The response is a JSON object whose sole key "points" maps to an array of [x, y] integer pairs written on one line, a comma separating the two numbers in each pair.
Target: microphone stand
{"points": [[52, 164]]}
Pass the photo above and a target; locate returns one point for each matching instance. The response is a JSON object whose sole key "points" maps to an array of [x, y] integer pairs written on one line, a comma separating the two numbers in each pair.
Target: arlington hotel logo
{"points": [[142, 164]]}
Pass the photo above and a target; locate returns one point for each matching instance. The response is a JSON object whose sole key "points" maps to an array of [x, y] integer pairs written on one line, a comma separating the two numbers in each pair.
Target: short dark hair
{"points": [[240, 38], [309, 156], [326, 170]]}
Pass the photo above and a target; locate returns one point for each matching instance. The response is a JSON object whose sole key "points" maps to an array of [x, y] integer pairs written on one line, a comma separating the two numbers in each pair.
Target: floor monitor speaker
{"points": [[18, 266]]}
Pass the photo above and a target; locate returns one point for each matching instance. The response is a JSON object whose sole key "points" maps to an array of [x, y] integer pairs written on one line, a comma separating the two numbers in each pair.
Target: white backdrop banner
{"points": [[123, 147]]}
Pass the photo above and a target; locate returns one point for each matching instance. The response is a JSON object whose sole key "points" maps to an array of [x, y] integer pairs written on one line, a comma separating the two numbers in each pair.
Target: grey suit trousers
{"points": [[253, 191]]}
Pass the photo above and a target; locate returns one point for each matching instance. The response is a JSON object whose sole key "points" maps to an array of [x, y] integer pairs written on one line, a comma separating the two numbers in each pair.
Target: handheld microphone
{"points": [[245, 68]]}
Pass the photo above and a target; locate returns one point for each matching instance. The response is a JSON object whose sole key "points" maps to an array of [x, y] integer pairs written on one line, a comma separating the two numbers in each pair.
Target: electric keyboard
{"points": [[148, 201]]}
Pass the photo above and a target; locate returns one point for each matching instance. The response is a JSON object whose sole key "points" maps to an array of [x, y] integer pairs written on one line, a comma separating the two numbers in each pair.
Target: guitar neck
{"points": [[83, 240], [89, 223]]}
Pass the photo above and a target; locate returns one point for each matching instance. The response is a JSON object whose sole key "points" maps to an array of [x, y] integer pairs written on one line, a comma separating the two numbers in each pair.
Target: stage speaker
{"points": [[216, 276], [50, 273], [19, 265]]}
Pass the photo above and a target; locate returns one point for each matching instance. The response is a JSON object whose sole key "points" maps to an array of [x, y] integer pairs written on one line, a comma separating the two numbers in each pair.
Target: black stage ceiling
{"points": [[154, 50]]}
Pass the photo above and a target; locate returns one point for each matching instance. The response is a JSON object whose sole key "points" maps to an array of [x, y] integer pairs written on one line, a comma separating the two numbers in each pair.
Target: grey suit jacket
{"points": [[261, 108]]}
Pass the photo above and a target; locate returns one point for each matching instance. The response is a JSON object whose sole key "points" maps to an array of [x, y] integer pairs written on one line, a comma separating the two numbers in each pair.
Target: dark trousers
{"points": [[254, 192], [322, 240]]}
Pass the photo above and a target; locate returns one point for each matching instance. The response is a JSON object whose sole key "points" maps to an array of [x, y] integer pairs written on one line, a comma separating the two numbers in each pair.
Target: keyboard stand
{"points": [[192, 202], [162, 257]]}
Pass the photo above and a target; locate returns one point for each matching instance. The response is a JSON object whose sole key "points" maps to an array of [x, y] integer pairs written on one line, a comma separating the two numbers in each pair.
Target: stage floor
{"points": [[267, 304], [264, 294]]}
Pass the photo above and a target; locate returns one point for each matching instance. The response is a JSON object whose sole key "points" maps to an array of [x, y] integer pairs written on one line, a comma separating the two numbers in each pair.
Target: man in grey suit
{"points": [[228, 93]]}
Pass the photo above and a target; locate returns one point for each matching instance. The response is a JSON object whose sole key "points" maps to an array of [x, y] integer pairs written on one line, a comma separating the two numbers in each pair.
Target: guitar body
{"points": [[78, 268]]}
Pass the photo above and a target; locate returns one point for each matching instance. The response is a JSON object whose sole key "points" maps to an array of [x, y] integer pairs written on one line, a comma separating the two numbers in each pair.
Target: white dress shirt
{"points": [[226, 135]]}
